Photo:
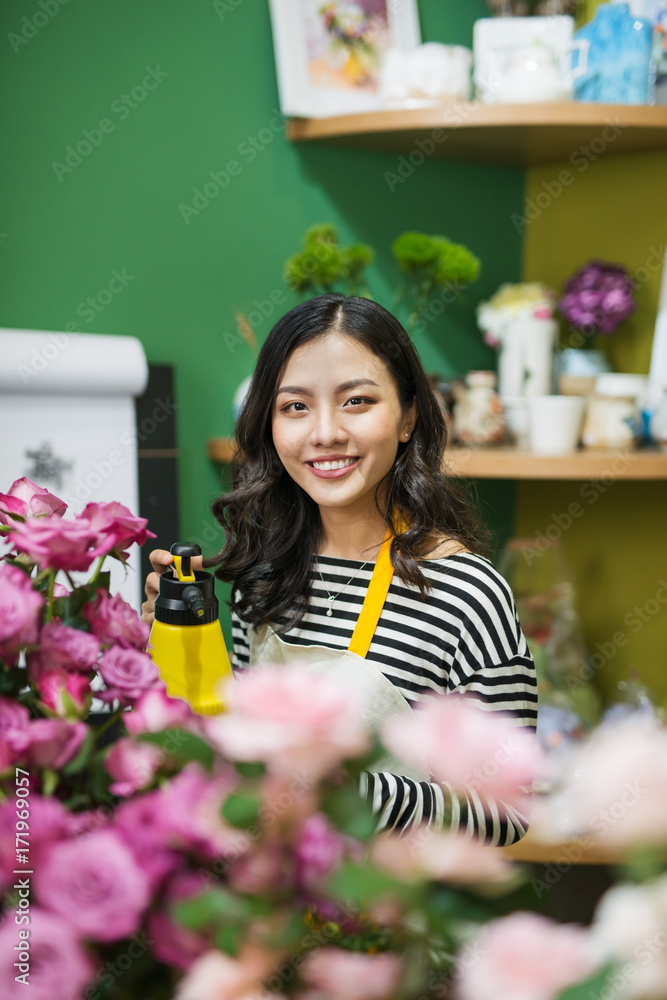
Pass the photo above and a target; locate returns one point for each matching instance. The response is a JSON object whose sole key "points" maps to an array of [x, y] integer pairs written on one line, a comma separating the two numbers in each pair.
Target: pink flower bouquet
{"points": [[148, 853]]}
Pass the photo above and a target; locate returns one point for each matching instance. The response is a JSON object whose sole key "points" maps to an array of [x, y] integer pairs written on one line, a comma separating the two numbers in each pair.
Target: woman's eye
{"points": [[293, 408], [360, 401]]}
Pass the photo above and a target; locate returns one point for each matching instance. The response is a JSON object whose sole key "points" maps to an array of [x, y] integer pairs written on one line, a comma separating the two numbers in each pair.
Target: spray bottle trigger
{"points": [[184, 572]]}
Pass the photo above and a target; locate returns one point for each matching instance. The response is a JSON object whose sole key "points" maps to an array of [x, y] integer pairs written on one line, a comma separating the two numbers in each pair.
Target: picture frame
{"points": [[328, 54]]}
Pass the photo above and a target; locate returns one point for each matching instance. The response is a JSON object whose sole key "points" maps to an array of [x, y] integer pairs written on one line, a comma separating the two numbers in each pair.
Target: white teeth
{"points": [[328, 466]]}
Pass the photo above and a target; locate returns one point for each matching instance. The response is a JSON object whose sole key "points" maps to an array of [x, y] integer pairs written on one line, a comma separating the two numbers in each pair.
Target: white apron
{"points": [[381, 698]]}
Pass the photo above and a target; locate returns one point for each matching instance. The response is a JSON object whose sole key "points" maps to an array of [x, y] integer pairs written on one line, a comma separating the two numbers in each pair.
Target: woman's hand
{"points": [[161, 560]]}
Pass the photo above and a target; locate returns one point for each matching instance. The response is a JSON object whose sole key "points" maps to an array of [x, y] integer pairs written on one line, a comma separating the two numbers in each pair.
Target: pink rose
{"points": [[64, 693], [115, 622], [348, 975], [94, 884], [290, 718], [188, 807], [26, 499], [440, 856], [127, 674], [156, 711], [466, 746], [20, 608], [116, 527], [132, 766], [524, 956], [55, 543], [54, 742], [215, 976], [174, 944], [59, 967], [319, 851], [63, 647], [138, 824], [49, 821], [14, 732]]}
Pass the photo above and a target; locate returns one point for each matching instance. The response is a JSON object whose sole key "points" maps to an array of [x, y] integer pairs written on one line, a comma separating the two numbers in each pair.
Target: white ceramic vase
{"points": [[525, 362]]}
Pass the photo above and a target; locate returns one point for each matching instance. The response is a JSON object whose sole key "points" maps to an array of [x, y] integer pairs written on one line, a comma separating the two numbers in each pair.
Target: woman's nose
{"points": [[326, 428]]}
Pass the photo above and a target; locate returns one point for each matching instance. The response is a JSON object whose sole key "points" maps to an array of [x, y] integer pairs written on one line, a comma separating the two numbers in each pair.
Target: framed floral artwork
{"points": [[329, 52]]}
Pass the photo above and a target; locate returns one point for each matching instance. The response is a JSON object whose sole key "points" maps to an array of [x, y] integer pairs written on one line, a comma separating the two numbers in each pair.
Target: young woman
{"points": [[347, 545]]}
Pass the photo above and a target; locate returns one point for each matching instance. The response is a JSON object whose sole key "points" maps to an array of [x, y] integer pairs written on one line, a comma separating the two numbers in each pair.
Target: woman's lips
{"points": [[332, 473]]}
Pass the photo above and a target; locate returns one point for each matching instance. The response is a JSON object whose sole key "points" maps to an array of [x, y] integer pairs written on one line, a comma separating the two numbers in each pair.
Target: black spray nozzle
{"points": [[193, 597]]}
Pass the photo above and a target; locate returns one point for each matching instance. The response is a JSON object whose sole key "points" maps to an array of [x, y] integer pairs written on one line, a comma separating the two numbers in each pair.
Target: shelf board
{"points": [[508, 134], [509, 463]]}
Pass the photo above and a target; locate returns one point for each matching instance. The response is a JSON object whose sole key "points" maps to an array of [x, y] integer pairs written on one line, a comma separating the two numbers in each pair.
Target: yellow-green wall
{"points": [[614, 208]]}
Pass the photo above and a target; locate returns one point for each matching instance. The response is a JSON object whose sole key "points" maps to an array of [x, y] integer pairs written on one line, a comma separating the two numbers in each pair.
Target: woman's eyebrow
{"points": [[299, 390]]}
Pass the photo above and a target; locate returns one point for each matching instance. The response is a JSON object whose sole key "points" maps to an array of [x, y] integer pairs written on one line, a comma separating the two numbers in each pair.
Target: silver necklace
{"points": [[332, 597]]}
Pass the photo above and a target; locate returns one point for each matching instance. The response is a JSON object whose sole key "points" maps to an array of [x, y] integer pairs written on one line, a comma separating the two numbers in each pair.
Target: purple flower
{"points": [[14, 736], [132, 765], [95, 884], [55, 543], [138, 823], [63, 647], [114, 621], [319, 851], [54, 742], [156, 711], [127, 674], [59, 967], [598, 298], [174, 944], [20, 607], [116, 527]]}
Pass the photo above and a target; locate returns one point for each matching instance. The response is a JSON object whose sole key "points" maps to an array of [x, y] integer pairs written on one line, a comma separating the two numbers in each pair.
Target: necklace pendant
{"points": [[329, 612]]}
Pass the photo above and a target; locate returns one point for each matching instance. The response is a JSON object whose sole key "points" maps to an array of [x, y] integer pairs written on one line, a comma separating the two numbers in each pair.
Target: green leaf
{"points": [[49, 782], [250, 769], [291, 934], [591, 988], [364, 884], [241, 810], [229, 938], [217, 906], [350, 813], [79, 762], [182, 746]]}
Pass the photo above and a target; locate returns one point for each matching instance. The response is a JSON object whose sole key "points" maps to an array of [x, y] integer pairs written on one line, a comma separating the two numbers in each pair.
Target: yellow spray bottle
{"points": [[186, 638]]}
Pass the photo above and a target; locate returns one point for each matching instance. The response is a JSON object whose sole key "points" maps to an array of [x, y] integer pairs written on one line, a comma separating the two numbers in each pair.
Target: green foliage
{"points": [[241, 810], [181, 746], [323, 264]]}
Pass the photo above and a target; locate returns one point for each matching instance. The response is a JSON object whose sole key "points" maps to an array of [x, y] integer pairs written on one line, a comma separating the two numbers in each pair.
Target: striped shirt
{"points": [[464, 637]]}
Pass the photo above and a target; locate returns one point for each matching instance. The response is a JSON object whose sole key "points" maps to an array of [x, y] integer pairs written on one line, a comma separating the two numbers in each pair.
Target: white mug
{"points": [[555, 423]]}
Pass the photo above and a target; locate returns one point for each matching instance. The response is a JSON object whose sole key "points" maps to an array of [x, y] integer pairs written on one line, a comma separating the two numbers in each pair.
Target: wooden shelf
{"points": [[509, 463], [509, 134]]}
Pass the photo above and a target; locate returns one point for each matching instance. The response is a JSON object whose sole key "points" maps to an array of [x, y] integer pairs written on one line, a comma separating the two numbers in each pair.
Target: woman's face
{"points": [[337, 421]]}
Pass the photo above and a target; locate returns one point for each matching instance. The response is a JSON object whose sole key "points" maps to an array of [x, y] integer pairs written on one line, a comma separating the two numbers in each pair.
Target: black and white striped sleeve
{"points": [[241, 654], [491, 664]]}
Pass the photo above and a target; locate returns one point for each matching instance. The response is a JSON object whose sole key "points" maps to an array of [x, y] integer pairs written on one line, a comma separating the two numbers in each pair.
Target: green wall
{"points": [[65, 229]]}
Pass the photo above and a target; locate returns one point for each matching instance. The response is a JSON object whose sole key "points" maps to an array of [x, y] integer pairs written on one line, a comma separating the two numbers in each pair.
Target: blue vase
{"points": [[616, 66]]}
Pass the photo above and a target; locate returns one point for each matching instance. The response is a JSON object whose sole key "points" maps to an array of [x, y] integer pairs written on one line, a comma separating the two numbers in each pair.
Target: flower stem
{"points": [[98, 569], [49, 606]]}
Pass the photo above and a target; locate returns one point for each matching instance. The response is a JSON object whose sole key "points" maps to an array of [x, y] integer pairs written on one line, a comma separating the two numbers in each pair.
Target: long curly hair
{"points": [[273, 527]]}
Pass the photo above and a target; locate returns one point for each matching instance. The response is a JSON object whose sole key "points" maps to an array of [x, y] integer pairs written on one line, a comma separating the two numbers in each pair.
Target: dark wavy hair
{"points": [[272, 526]]}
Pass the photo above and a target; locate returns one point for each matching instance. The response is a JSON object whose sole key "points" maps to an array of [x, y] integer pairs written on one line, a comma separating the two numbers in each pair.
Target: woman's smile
{"points": [[332, 468]]}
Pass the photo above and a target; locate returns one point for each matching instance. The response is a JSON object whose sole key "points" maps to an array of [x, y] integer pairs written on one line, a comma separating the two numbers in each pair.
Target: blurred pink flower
{"points": [[524, 956], [53, 685], [138, 823], [54, 742], [14, 732], [27, 499], [318, 852], [442, 856], [20, 608], [174, 944], [156, 711], [215, 976], [290, 718], [348, 975], [132, 765], [612, 788], [49, 820], [471, 748], [62, 646], [55, 543], [629, 926], [95, 884], [114, 622], [59, 968], [263, 867], [116, 527], [127, 673], [188, 807]]}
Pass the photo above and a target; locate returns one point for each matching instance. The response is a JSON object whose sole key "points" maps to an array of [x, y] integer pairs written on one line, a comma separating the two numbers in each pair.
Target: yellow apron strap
{"points": [[376, 594]]}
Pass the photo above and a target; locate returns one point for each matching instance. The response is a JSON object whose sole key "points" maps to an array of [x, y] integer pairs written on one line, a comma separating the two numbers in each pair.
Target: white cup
{"points": [[555, 423]]}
